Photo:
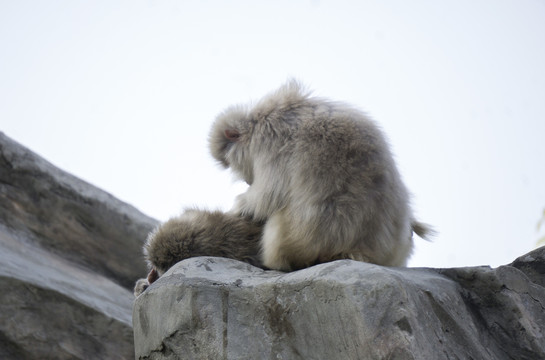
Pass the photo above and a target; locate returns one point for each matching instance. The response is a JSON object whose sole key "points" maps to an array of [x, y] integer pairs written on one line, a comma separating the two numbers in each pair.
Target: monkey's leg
{"points": [[283, 248], [273, 244]]}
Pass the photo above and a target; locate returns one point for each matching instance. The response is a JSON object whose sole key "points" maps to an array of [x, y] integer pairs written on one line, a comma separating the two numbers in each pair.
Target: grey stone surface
{"points": [[69, 256], [70, 217], [51, 309], [214, 308]]}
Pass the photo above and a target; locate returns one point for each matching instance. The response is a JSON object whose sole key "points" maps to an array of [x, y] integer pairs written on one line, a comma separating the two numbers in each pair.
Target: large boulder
{"points": [[69, 256], [214, 308], [51, 308], [70, 217]]}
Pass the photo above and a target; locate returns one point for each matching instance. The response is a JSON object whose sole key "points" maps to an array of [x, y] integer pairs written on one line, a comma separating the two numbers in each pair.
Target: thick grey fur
{"points": [[201, 233], [321, 176]]}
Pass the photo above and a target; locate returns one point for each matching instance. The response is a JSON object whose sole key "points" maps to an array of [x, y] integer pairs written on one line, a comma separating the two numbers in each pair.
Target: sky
{"points": [[123, 93]]}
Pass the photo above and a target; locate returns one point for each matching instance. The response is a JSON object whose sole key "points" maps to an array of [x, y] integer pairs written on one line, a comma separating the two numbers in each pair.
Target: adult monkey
{"points": [[321, 176]]}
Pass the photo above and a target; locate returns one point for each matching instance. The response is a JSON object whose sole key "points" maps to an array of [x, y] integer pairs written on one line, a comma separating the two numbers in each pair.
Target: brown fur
{"points": [[200, 233]]}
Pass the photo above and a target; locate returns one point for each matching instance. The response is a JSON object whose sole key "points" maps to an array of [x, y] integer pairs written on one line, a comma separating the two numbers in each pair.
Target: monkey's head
{"points": [[230, 140], [173, 241], [243, 134]]}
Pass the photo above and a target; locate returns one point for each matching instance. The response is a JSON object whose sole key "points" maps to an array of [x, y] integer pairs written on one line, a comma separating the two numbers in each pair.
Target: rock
{"points": [[215, 308], [70, 217], [70, 254], [53, 309]]}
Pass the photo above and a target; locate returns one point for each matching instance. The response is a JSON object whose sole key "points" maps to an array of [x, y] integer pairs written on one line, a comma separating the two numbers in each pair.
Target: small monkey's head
{"points": [[230, 140], [172, 241], [202, 233]]}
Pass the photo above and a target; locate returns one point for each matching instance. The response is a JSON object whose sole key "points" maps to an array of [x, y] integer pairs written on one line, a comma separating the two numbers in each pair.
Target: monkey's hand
{"points": [[140, 286], [242, 207], [257, 205]]}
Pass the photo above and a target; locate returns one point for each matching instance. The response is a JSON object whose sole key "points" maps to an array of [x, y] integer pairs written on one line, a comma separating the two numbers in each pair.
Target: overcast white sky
{"points": [[123, 93]]}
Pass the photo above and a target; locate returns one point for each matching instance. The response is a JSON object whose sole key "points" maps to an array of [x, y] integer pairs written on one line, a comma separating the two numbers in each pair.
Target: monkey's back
{"points": [[344, 182]]}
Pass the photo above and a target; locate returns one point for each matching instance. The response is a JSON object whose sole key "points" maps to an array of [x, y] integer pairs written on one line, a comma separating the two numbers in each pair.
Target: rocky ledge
{"points": [[215, 308], [69, 256]]}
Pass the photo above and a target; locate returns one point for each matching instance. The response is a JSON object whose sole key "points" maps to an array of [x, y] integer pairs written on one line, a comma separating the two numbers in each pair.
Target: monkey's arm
{"points": [[264, 197]]}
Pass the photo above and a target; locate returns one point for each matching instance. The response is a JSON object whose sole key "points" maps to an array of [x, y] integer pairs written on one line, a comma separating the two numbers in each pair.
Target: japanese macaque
{"points": [[322, 178], [200, 233]]}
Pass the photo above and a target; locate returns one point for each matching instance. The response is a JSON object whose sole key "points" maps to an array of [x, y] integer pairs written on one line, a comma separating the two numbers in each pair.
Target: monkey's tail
{"points": [[424, 231]]}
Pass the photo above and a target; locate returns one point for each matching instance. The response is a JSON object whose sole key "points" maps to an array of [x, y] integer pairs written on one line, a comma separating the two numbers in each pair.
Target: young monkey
{"points": [[321, 177], [200, 233]]}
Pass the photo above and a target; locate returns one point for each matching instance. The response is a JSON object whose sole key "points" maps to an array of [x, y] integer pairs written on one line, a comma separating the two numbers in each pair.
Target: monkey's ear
{"points": [[153, 276], [232, 135]]}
